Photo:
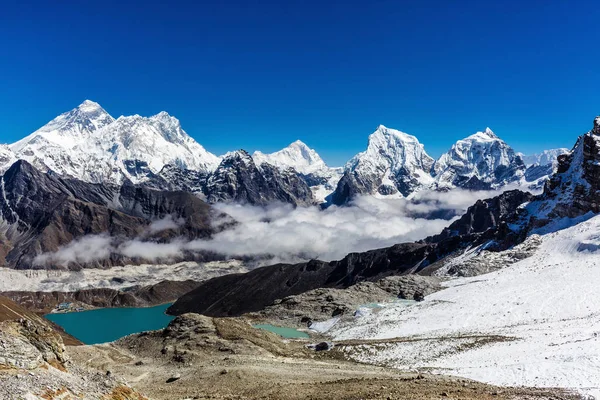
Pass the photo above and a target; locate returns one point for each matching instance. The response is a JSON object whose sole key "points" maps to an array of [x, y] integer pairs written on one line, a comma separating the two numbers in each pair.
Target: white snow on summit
{"points": [[390, 152], [297, 155], [306, 161], [480, 156], [546, 157], [7, 157], [89, 144]]}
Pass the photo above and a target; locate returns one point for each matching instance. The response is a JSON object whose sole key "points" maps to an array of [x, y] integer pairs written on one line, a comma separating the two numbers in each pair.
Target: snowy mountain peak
{"points": [[546, 157], [384, 132], [486, 135], [480, 161], [89, 106], [297, 155], [596, 128], [394, 164], [89, 144], [68, 130]]}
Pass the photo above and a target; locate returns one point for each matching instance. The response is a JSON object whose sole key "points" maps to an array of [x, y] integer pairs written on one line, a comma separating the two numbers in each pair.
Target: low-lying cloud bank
{"points": [[280, 233]]}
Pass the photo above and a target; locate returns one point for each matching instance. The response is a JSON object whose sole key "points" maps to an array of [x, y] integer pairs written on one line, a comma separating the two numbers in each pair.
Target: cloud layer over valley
{"points": [[281, 233]]}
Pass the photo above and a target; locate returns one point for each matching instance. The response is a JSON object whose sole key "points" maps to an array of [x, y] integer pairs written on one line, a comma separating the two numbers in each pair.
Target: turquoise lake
{"points": [[109, 324], [287, 333]]}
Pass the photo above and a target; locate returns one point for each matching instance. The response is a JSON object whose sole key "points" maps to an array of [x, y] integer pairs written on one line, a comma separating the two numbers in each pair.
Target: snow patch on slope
{"points": [[539, 319]]}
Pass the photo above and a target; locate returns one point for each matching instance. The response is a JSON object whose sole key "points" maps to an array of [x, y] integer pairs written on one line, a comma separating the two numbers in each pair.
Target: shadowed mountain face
{"points": [[41, 212]]}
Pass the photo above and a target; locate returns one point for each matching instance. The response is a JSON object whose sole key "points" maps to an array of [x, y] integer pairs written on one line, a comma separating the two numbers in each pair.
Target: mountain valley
{"points": [[373, 262]]}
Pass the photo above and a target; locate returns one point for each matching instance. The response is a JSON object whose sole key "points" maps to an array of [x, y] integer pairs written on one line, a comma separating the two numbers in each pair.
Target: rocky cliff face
{"points": [[42, 212], [575, 187], [239, 179]]}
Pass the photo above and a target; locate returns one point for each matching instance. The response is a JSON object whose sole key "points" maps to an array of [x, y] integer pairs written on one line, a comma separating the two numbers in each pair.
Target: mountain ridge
{"points": [[89, 144]]}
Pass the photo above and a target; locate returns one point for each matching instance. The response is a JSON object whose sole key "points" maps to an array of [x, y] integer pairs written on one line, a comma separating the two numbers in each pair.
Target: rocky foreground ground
{"points": [[198, 357]]}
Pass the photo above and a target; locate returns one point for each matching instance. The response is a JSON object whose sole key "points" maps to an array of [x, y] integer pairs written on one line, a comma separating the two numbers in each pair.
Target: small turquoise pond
{"points": [[287, 333], [109, 324]]}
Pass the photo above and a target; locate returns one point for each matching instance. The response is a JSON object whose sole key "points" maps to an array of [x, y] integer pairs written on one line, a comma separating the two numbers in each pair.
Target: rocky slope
{"points": [[35, 365], [42, 213], [225, 358], [239, 179]]}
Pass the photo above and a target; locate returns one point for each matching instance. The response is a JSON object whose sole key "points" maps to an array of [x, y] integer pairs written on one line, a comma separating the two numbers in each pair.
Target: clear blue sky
{"points": [[260, 74]]}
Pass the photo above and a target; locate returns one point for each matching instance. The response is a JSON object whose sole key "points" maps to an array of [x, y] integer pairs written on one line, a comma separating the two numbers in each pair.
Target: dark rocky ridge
{"points": [[238, 179], [43, 212], [145, 296]]}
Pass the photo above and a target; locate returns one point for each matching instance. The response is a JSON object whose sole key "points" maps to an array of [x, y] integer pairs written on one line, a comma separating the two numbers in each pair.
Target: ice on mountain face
{"points": [[394, 163], [7, 157], [88, 144], [298, 156], [159, 140], [482, 159], [546, 157], [393, 150]]}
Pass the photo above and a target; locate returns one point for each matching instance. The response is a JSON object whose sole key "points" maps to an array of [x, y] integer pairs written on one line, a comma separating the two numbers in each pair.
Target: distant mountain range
{"points": [[88, 144], [493, 225]]}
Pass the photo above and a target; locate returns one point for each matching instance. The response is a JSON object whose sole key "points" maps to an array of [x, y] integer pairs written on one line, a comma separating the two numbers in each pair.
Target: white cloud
{"points": [[84, 250], [168, 222], [280, 233]]}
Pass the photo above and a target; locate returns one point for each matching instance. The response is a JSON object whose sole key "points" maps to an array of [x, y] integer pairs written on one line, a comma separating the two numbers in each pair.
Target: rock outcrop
{"points": [[239, 179], [41, 212]]}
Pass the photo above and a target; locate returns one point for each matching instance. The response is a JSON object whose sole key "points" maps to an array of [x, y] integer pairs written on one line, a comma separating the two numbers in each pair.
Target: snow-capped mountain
{"points": [[89, 144], [239, 179], [541, 166], [7, 157], [546, 157], [480, 161], [395, 163], [298, 156]]}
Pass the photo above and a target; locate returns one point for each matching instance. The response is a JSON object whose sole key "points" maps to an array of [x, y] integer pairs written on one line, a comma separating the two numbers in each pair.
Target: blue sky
{"points": [[261, 74]]}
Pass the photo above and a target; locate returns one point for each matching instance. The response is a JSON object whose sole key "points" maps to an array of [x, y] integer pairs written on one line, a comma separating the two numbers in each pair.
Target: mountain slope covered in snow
{"points": [[534, 323], [394, 163], [89, 144], [307, 162], [481, 161]]}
